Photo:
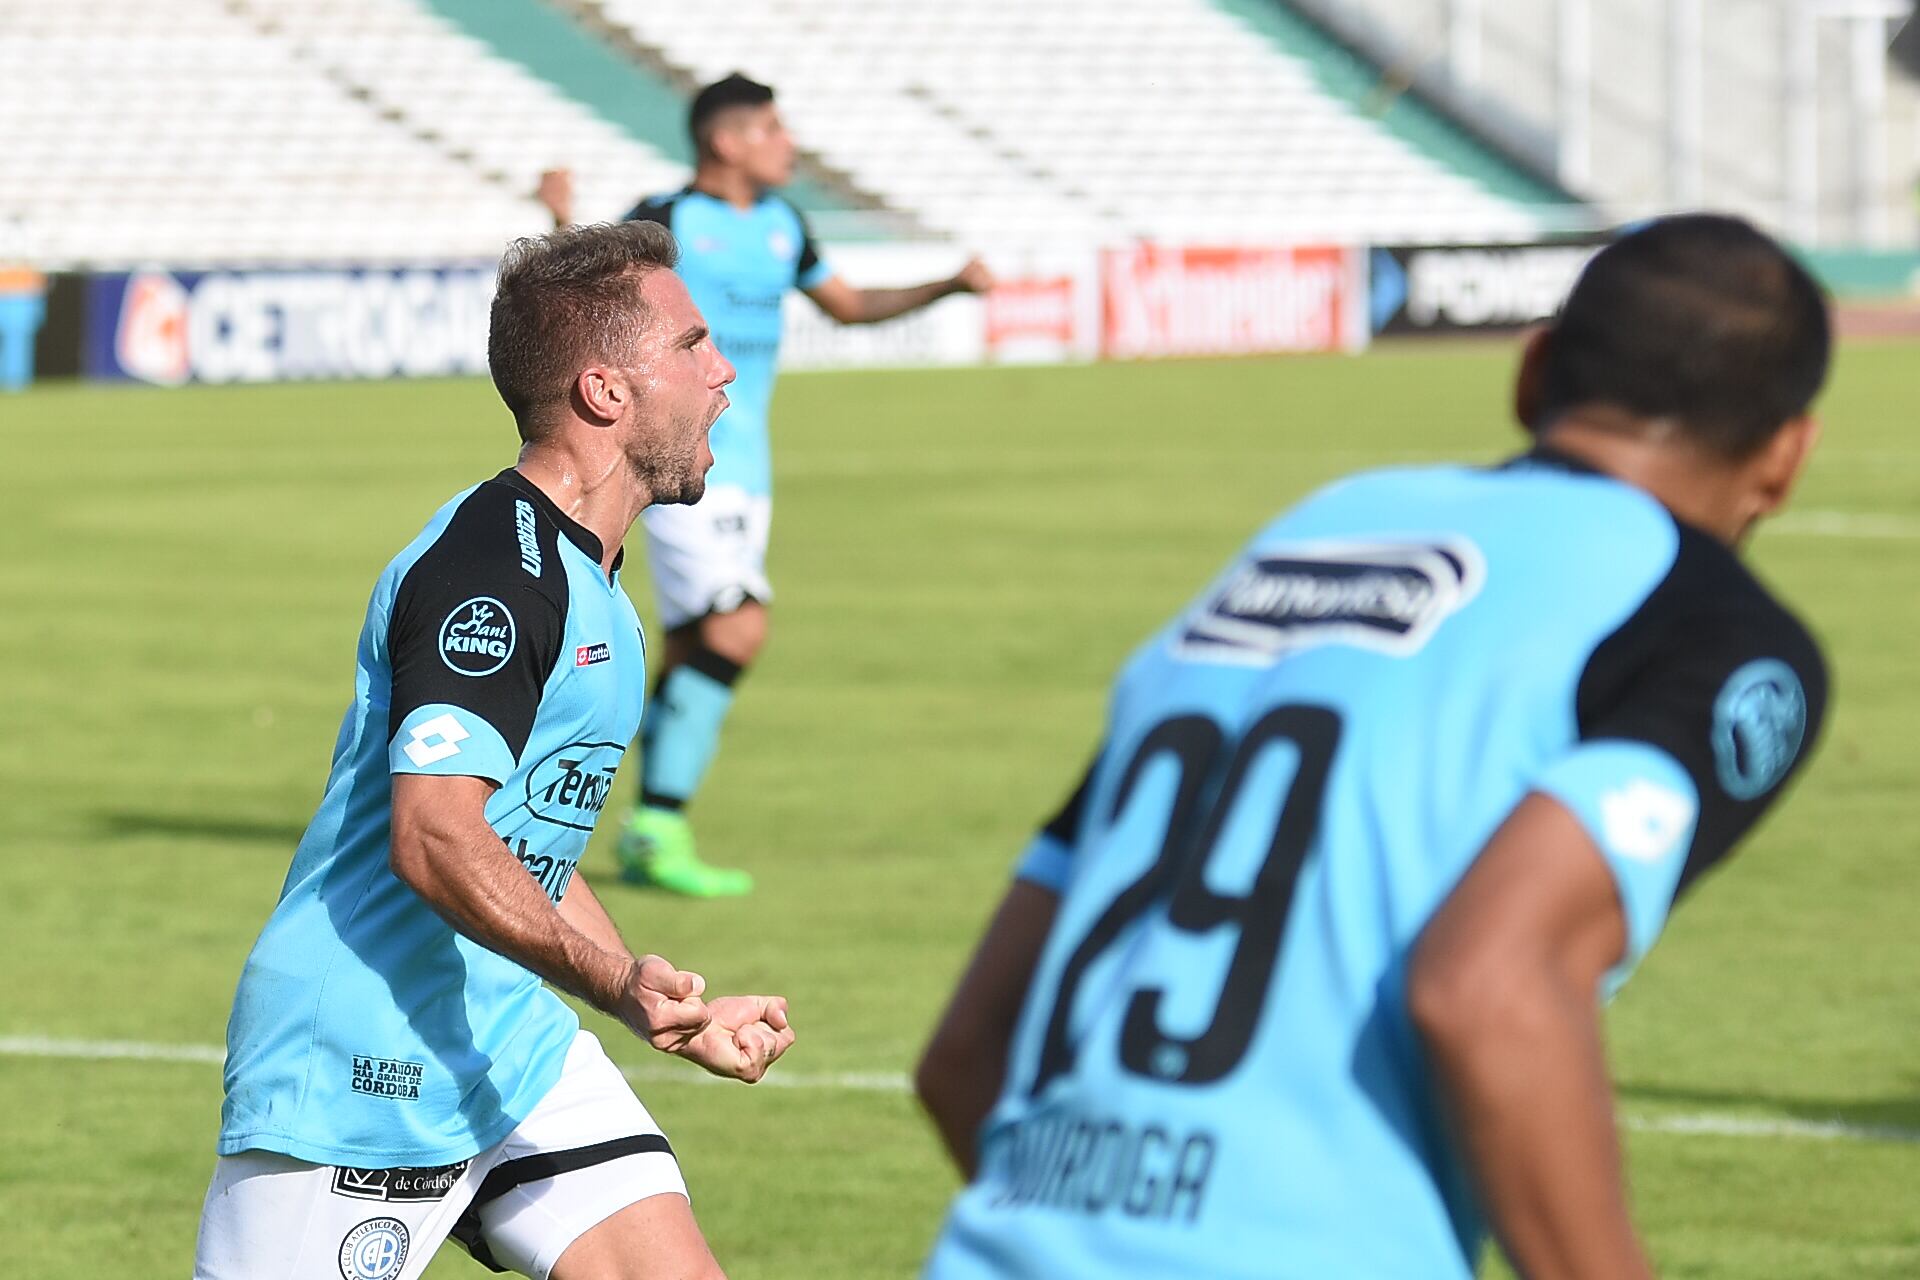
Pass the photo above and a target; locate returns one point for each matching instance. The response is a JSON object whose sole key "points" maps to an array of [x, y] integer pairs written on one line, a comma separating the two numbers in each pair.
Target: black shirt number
{"points": [[1202, 804]]}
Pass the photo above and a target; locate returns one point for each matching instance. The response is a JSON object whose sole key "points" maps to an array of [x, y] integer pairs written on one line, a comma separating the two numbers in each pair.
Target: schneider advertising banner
{"points": [[1468, 288], [172, 327], [1166, 300]]}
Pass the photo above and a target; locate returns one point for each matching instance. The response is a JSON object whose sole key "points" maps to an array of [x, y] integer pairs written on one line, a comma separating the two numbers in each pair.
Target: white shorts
{"points": [[588, 1150], [710, 557]]}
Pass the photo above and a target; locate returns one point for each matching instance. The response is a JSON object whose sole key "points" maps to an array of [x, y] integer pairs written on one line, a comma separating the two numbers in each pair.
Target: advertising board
{"points": [[279, 325], [1467, 288]]}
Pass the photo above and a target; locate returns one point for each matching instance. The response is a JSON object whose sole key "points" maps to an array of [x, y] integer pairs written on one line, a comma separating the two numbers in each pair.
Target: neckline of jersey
{"points": [[1547, 455], [763, 198], [578, 534]]}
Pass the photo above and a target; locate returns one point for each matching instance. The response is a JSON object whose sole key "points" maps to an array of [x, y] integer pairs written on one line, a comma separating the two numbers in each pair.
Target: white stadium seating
{"points": [[198, 131], [1066, 119], [235, 131]]}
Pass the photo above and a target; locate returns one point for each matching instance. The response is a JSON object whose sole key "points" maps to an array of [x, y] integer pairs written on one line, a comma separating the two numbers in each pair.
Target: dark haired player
{"points": [[743, 248], [1305, 980], [396, 1071]]}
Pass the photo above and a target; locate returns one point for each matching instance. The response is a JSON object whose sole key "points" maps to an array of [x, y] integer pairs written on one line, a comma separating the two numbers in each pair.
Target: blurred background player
{"points": [[1312, 962], [743, 247]]}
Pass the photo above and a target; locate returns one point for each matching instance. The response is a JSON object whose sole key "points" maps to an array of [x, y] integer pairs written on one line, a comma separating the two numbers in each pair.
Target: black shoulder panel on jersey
{"points": [[478, 619], [1715, 672], [655, 209], [1064, 826], [809, 251]]}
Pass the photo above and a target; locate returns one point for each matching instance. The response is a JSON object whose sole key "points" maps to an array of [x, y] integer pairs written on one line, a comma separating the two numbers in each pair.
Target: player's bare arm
{"points": [[849, 305], [445, 852], [744, 1035], [965, 1062], [1504, 989], [581, 907]]}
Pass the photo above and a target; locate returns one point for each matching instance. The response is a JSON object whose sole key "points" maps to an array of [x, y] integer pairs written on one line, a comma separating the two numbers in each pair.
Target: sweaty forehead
{"points": [[667, 298]]}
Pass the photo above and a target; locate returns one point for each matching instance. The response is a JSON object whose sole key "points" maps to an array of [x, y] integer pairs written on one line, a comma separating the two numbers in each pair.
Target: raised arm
{"points": [[555, 191], [1505, 993], [849, 305]]}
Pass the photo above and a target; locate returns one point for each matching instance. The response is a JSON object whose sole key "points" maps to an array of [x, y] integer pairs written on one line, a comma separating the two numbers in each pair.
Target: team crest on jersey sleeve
{"points": [[1759, 722], [1385, 596]]}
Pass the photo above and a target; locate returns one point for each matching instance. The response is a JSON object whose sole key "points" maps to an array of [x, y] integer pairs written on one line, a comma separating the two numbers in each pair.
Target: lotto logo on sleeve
{"points": [[588, 655], [435, 740], [478, 637], [1646, 821], [374, 1250]]}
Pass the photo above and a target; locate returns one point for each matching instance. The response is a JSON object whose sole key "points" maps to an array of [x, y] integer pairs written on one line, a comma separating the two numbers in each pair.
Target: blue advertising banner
{"points": [[287, 324]]}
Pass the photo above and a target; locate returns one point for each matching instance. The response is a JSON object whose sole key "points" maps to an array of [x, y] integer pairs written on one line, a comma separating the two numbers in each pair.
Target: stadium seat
{"points": [[203, 131], [1042, 119], [200, 131]]}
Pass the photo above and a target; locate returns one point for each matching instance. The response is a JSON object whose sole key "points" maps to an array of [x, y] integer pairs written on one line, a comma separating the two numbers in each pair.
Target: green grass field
{"points": [[962, 559]]}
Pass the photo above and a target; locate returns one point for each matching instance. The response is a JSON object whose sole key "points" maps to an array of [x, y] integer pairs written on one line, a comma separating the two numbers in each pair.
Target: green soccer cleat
{"points": [[656, 849]]}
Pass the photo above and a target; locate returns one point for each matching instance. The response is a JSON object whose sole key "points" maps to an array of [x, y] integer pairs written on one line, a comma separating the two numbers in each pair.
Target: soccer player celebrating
{"points": [[1305, 979], [396, 1072], [743, 248]]}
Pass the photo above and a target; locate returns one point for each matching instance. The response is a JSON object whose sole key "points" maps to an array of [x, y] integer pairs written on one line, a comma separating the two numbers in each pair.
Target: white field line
{"points": [[1843, 524], [1723, 1124]]}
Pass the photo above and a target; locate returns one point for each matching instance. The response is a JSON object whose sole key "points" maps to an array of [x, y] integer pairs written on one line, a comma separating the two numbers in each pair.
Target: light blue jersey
{"points": [[1214, 1073], [366, 1032], [739, 265]]}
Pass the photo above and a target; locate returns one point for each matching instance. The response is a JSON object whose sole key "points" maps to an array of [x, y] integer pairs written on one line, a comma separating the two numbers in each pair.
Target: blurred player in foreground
{"points": [[396, 1072], [743, 247], [1305, 980]]}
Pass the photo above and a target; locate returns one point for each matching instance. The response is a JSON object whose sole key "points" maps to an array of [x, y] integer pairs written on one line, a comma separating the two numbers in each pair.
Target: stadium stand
{"points": [[192, 132], [200, 131], [996, 120]]}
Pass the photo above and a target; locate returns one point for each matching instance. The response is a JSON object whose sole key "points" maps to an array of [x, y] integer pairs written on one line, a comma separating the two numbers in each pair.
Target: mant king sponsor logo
{"points": [[589, 655], [1386, 596], [1162, 301], [478, 637], [388, 1077], [398, 1186], [571, 786]]}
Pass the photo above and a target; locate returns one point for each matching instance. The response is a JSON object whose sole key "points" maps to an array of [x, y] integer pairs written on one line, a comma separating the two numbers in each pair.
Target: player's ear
{"points": [[601, 394], [1778, 464], [1529, 385], [723, 143]]}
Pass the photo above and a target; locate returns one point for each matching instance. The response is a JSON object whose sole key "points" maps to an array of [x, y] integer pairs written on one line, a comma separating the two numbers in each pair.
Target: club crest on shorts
{"points": [[1384, 596], [374, 1250], [478, 637]]}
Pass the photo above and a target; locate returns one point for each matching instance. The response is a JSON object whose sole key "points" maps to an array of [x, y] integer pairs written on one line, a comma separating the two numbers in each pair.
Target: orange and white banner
{"points": [[1194, 301]]}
